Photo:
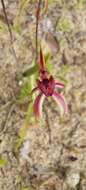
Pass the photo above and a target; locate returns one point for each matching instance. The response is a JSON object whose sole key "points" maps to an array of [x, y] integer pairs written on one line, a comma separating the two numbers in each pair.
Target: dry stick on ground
{"points": [[9, 29], [4, 126]]}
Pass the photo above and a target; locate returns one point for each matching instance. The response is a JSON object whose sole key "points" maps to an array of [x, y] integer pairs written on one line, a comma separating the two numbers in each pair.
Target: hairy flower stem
{"points": [[9, 29], [37, 23]]}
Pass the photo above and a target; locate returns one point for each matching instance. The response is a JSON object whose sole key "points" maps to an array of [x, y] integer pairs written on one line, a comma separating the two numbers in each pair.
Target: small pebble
{"points": [[25, 150], [20, 83], [72, 178]]}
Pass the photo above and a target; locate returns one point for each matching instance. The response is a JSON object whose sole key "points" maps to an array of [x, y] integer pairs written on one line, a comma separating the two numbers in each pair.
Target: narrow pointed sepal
{"points": [[46, 5], [41, 61], [59, 85], [37, 106], [61, 102], [34, 89]]}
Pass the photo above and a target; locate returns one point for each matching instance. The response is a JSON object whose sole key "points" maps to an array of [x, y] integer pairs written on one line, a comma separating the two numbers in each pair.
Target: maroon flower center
{"points": [[47, 86], [46, 83]]}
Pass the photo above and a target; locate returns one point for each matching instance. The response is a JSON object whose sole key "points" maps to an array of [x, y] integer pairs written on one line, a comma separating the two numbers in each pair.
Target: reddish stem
{"points": [[37, 23]]}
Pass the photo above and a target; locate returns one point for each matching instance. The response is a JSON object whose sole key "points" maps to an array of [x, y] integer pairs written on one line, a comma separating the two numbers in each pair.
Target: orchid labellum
{"points": [[47, 85]]}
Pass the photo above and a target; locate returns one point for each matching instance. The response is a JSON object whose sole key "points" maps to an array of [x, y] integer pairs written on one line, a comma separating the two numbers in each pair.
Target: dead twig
{"points": [[10, 109], [9, 29]]}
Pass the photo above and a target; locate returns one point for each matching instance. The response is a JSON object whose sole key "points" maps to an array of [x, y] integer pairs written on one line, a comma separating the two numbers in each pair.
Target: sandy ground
{"points": [[40, 164]]}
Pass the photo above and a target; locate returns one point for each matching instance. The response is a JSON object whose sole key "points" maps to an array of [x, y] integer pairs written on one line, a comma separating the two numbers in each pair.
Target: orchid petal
{"points": [[59, 85], [34, 89], [41, 61], [37, 106], [60, 101]]}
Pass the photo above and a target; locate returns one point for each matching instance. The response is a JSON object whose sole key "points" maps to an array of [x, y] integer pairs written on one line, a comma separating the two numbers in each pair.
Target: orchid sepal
{"points": [[59, 85], [37, 106], [59, 99]]}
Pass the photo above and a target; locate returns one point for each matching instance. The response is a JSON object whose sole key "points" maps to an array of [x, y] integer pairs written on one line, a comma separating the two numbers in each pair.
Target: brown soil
{"points": [[61, 163]]}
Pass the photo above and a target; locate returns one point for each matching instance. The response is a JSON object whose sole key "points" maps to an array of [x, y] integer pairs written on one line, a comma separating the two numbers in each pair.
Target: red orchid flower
{"points": [[46, 86]]}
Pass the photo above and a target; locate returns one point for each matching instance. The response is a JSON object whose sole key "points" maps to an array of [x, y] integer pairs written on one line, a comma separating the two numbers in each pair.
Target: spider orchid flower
{"points": [[46, 86]]}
